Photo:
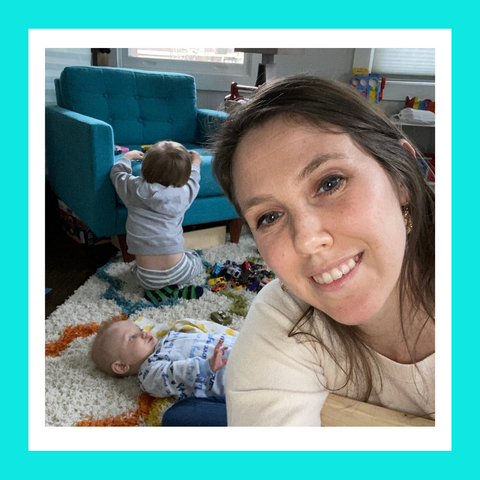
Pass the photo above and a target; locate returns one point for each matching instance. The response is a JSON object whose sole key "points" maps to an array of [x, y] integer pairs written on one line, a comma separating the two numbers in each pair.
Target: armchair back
{"points": [[140, 106]]}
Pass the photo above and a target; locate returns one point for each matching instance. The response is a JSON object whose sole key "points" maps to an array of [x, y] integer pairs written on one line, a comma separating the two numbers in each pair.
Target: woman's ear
{"points": [[404, 143], [120, 368]]}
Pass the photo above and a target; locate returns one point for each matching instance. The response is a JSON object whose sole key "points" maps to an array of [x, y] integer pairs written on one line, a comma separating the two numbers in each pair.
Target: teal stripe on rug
{"points": [[113, 292]]}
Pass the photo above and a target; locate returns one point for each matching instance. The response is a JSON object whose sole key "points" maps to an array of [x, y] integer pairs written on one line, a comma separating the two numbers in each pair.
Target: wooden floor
{"points": [[68, 264]]}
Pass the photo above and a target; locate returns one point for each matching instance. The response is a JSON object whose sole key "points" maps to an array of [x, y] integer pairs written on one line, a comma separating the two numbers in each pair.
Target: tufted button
{"points": [[170, 121], [166, 99], [136, 97], [105, 95], [110, 119], [140, 120]]}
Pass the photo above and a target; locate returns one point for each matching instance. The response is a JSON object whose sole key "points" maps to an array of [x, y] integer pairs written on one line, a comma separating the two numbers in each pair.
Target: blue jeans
{"points": [[197, 412]]}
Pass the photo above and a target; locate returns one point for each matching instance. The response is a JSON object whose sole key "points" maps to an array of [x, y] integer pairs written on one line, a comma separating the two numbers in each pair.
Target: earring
{"points": [[407, 219], [284, 288]]}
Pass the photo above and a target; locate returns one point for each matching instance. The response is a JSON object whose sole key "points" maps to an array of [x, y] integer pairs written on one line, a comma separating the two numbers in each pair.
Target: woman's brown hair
{"points": [[326, 104]]}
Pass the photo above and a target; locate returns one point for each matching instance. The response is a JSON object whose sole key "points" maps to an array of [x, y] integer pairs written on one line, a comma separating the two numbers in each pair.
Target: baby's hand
{"points": [[195, 158], [134, 155], [216, 361]]}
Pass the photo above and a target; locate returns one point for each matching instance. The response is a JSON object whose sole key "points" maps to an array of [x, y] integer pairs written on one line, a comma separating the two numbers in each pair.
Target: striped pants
{"points": [[183, 272]]}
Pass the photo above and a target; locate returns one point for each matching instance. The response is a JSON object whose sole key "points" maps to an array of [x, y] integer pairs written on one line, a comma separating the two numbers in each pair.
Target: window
{"points": [[215, 55], [404, 61], [213, 68]]}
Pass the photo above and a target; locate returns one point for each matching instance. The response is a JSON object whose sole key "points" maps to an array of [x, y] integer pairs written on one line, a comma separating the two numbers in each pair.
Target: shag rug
{"points": [[76, 394]]}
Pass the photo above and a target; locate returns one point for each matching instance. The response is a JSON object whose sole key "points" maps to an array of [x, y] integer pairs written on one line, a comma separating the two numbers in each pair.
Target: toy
{"points": [[145, 148], [118, 150], [221, 317], [219, 286], [234, 271], [236, 285], [234, 99], [370, 86], [253, 276], [216, 268], [417, 104], [254, 285]]}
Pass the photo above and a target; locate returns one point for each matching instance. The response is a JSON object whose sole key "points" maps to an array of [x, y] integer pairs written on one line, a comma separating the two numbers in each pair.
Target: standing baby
{"points": [[156, 202]]}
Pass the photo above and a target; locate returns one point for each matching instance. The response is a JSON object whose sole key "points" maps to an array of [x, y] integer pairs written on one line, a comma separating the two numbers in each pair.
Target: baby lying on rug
{"points": [[186, 361]]}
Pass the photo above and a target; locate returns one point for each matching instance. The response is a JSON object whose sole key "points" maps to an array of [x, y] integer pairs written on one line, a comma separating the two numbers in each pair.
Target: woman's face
{"points": [[325, 216]]}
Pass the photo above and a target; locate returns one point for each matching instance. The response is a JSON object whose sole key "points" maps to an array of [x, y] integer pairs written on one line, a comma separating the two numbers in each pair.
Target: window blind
{"points": [[404, 61], [56, 59]]}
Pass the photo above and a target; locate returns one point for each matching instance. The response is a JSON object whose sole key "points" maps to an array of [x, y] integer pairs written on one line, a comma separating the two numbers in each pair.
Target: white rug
{"points": [[75, 392]]}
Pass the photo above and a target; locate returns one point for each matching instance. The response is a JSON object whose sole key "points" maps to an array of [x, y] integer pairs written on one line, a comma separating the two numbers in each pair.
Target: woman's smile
{"points": [[333, 279]]}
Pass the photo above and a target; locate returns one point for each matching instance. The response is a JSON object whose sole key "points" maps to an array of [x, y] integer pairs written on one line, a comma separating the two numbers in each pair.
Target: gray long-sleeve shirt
{"points": [[155, 212]]}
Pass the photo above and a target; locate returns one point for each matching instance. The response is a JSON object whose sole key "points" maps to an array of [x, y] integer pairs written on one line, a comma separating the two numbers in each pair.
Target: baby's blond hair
{"points": [[102, 356], [167, 163]]}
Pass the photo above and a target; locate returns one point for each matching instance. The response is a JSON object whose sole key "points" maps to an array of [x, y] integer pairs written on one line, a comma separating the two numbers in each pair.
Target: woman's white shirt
{"points": [[274, 379]]}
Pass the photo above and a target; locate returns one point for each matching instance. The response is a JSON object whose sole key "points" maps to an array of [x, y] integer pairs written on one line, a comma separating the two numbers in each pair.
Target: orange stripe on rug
{"points": [[53, 349], [129, 419]]}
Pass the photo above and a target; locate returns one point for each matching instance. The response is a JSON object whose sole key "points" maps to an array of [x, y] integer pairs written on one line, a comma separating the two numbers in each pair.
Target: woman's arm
{"points": [[272, 379]]}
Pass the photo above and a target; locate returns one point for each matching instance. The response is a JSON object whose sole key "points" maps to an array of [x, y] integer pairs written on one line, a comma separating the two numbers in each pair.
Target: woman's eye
{"points": [[268, 219], [330, 184], [133, 337]]}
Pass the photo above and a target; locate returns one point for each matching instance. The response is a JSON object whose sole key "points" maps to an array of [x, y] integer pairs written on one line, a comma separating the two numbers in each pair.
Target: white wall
{"points": [[331, 63]]}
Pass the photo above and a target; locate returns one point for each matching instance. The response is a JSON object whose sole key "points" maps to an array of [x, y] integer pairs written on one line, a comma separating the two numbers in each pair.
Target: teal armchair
{"points": [[99, 107]]}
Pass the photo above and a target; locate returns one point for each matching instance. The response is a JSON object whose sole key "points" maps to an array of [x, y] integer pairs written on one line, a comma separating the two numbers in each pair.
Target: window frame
{"points": [[208, 75]]}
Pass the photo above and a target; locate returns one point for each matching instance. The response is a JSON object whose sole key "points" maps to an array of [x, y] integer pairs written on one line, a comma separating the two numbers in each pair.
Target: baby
{"points": [[156, 204], [179, 364]]}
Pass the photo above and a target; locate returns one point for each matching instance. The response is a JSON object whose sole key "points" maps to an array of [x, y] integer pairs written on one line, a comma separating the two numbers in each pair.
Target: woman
{"points": [[339, 209]]}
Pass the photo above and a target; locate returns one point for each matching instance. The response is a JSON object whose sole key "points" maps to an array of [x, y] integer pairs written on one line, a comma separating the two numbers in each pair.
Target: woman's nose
{"points": [[144, 334], [310, 235]]}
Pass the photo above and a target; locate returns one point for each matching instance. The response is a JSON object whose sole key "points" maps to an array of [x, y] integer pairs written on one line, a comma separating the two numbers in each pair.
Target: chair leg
{"points": [[127, 257], [235, 228]]}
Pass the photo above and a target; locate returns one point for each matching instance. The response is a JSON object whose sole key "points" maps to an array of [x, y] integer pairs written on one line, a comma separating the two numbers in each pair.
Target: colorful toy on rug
{"points": [[221, 317], [249, 275]]}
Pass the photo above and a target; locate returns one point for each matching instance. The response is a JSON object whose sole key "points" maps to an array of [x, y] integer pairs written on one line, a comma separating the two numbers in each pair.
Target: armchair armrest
{"points": [[208, 123], [79, 155]]}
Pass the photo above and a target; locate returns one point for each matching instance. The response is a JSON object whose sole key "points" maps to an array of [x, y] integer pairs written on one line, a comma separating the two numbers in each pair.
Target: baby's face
{"points": [[131, 344]]}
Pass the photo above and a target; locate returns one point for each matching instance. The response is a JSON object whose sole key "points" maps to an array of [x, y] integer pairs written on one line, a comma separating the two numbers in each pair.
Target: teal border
{"points": [[458, 16]]}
